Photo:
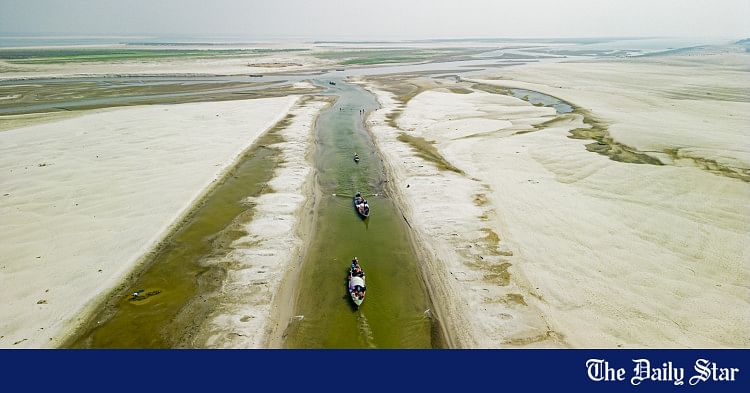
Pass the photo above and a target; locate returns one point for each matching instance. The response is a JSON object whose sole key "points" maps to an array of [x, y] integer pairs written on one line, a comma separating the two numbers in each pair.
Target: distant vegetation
{"points": [[46, 56], [392, 55]]}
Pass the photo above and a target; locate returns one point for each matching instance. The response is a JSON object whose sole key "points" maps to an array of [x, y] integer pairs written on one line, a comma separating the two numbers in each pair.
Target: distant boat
{"points": [[256, 75], [332, 83], [339, 69], [356, 157], [357, 284], [361, 205]]}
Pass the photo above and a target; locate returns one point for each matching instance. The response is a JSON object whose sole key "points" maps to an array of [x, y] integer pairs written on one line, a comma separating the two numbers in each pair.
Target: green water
{"points": [[176, 283], [395, 313], [167, 319]]}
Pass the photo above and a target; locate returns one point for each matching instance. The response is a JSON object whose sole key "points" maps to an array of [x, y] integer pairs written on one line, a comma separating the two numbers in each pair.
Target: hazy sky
{"points": [[378, 19]]}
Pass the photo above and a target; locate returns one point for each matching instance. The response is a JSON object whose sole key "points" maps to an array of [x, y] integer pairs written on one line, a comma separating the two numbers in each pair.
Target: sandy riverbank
{"points": [[84, 198], [699, 103], [255, 300], [479, 300], [239, 64], [539, 242]]}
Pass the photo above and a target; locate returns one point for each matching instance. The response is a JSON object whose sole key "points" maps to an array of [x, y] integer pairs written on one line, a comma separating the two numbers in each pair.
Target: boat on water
{"points": [[332, 83], [357, 282], [361, 205], [356, 157]]}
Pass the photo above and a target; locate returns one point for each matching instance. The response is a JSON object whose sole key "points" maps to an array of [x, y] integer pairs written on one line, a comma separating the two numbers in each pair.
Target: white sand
{"points": [[700, 102], [84, 198], [463, 269], [239, 65], [303, 85], [255, 301], [604, 253], [289, 57]]}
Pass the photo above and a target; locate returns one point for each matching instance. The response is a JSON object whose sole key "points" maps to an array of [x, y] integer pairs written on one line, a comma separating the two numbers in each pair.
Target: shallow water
{"points": [[77, 93], [394, 314], [537, 98], [67, 93]]}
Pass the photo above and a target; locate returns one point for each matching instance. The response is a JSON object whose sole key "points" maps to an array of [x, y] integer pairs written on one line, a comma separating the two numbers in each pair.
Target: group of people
{"points": [[361, 111], [356, 271], [361, 204]]}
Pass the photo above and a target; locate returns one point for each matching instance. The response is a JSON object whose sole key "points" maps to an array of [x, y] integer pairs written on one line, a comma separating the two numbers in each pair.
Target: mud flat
{"points": [[116, 179], [262, 268], [62, 62], [214, 281], [539, 240]]}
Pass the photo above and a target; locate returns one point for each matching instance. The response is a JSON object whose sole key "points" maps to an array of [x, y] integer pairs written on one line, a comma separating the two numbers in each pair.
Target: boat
{"points": [[357, 283], [332, 83], [356, 157], [360, 203]]}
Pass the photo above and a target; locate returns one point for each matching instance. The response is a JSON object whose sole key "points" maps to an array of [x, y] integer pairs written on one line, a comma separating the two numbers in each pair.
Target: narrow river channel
{"points": [[396, 311]]}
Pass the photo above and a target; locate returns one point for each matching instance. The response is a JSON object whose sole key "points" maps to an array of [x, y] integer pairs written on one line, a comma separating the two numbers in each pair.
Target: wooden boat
{"points": [[357, 284], [361, 205]]}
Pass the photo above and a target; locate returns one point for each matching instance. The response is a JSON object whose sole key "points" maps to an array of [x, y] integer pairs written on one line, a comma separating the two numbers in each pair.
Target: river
{"points": [[395, 313]]}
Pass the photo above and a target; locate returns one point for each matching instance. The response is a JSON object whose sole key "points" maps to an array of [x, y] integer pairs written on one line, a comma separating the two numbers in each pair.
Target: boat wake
{"points": [[365, 334]]}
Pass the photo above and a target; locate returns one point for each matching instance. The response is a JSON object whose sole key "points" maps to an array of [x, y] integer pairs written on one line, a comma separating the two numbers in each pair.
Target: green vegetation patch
{"points": [[498, 274], [491, 89], [491, 237], [459, 90], [393, 55], [711, 165], [26, 98], [604, 144], [426, 149]]}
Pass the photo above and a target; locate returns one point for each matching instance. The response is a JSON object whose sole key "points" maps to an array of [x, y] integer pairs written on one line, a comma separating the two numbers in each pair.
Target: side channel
{"points": [[173, 273], [396, 312]]}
